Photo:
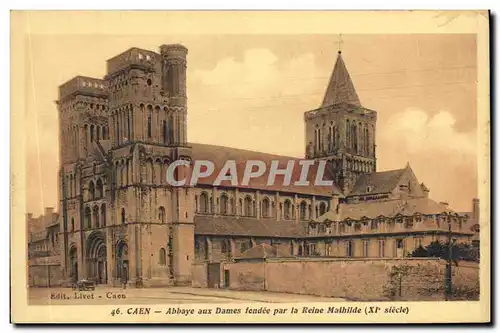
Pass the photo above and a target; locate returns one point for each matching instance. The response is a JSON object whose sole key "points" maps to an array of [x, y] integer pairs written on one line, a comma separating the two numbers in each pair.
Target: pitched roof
{"points": [[379, 182], [262, 251], [220, 154], [233, 226], [386, 208], [340, 88]]}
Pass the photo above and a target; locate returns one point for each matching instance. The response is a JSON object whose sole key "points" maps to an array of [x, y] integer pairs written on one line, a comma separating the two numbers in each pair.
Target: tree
{"points": [[440, 250]]}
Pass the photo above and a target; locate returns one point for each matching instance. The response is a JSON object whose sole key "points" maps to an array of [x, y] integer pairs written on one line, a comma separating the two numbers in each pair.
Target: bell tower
{"points": [[341, 130]]}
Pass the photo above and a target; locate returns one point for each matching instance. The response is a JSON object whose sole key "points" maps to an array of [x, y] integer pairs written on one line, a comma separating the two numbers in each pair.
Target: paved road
{"points": [[169, 295]]}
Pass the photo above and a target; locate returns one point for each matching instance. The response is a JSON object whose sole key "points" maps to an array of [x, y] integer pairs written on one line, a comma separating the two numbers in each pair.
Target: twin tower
{"points": [[118, 135]]}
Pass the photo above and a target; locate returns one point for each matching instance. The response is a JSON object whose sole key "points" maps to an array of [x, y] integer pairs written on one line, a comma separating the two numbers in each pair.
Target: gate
{"points": [[213, 275]]}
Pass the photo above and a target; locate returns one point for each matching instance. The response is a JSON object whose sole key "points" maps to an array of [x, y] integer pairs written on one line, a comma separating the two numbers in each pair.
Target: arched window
{"points": [[163, 257], [223, 204], [248, 207], [347, 133], [96, 216], [334, 137], [322, 208], [265, 207], [100, 188], [91, 190], [204, 203], [161, 214], [91, 133], [150, 121], [330, 136], [353, 136], [129, 133], [103, 215], [367, 142], [98, 132], [287, 210], [104, 133], [123, 216], [88, 218], [303, 210], [72, 224], [164, 131]]}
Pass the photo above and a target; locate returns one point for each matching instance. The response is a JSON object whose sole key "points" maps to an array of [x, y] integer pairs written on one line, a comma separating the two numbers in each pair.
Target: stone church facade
{"points": [[120, 219]]}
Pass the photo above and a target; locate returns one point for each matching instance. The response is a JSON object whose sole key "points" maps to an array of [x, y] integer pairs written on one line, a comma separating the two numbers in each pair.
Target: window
{"points": [[369, 189], [223, 204], [72, 224], [244, 245], [91, 133], [322, 229], [164, 131], [418, 242], [150, 121], [374, 224], [204, 203], [103, 214], [381, 248], [313, 231], [223, 246], [88, 217], [349, 249], [123, 216], [91, 191], [347, 133], [265, 207], [357, 227], [248, 207], [161, 214], [96, 216], [287, 210], [100, 188], [322, 208], [366, 246], [163, 257], [303, 209], [312, 249], [409, 222]]}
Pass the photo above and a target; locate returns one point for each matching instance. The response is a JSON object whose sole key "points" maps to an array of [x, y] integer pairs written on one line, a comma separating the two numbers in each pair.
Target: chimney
{"points": [[475, 210]]}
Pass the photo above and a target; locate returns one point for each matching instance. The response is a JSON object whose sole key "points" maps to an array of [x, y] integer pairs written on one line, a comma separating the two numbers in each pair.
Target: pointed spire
{"points": [[340, 88]]}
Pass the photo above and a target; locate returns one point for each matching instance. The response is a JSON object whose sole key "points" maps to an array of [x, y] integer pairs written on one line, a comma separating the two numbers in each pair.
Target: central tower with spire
{"points": [[342, 131]]}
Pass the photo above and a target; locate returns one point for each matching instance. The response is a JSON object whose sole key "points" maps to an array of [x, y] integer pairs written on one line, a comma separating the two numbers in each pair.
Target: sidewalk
{"points": [[257, 296]]}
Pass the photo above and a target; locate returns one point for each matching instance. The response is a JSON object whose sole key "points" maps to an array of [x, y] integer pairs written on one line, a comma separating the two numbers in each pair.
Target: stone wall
{"points": [[199, 275], [44, 276], [353, 279]]}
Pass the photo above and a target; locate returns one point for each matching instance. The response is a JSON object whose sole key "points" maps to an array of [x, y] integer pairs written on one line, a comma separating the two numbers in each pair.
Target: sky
{"points": [[251, 91]]}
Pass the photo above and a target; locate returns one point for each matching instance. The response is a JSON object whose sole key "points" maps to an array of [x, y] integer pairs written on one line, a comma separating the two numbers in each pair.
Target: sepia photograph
{"points": [[182, 175]]}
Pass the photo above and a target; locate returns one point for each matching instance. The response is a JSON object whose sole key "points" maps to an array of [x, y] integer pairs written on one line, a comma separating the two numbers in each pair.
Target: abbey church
{"points": [[120, 219]]}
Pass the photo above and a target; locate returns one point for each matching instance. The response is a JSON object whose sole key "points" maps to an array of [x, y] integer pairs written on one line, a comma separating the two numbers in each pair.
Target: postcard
{"points": [[250, 167]]}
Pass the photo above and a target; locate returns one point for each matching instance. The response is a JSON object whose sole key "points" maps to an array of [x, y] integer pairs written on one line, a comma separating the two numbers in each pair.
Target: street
{"points": [[168, 295]]}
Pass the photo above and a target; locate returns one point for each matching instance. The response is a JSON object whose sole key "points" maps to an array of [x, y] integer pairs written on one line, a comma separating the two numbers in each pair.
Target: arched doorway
{"points": [[96, 257], [122, 263], [73, 264]]}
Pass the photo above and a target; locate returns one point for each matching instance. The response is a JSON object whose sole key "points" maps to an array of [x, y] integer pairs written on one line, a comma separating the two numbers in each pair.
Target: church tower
{"points": [[342, 131], [121, 219]]}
